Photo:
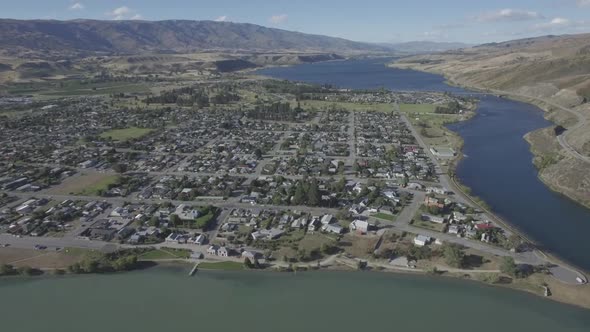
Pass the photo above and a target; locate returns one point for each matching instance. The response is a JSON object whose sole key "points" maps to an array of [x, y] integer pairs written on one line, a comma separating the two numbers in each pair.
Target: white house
{"points": [[222, 252], [329, 228], [434, 219], [313, 225], [422, 240], [360, 226], [327, 219], [212, 250]]}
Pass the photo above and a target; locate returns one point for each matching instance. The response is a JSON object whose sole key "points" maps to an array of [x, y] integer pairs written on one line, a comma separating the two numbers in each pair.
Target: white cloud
{"points": [[124, 13], [508, 15], [561, 25], [559, 21], [222, 18], [583, 3], [278, 19], [77, 6]]}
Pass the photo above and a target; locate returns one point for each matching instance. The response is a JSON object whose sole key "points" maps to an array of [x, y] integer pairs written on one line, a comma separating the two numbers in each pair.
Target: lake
{"points": [[498, 167], [166, 299]]}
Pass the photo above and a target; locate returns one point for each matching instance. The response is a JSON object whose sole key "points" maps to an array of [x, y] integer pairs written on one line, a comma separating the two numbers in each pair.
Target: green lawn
{"points": [[228, 266], [126, 134], [100, 186], [165, 253], [418, 108], [384, 216], [429, 225]]}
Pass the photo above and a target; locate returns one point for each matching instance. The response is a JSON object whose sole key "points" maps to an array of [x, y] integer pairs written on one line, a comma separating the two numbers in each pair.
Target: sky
{"points": [[388, 21]]}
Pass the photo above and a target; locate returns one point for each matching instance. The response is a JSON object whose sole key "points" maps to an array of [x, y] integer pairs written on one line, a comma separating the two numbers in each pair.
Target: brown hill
{"points": [[84, 37]]}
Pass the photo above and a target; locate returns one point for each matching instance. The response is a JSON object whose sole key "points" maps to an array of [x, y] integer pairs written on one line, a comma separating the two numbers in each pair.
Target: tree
{"points": [[120, 168], [154, 221], [174, 219], [258, 153], [313, 195], [6, 269], [299, 195], [26, 271], [90, 266], [454, 256], [248, 263], [508, 266]]}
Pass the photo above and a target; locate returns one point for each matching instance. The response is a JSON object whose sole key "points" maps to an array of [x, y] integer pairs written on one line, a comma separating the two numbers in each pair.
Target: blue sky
{"points": [[471, 21]]}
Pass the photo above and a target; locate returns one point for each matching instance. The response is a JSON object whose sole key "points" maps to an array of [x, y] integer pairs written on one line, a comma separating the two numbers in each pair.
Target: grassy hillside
{"points": [[551, 68]]}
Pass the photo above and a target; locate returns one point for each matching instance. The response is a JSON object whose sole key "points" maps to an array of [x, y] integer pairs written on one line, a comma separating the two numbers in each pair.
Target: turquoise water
{"points": [[166, 299]]}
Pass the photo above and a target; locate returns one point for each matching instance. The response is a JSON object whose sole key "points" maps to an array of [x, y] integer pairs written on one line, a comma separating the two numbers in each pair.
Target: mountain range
{"points": [[84, 37]]}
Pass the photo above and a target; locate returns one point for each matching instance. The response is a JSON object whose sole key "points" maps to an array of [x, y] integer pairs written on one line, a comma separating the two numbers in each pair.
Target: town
{"points": [[264, 173]]}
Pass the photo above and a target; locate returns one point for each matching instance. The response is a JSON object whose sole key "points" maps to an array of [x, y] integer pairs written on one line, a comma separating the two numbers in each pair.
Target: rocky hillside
{"points": [[45, 38]]}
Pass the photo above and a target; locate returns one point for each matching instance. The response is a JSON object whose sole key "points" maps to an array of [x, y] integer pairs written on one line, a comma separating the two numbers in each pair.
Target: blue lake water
{"points": [[499, 165], [166, 299]]}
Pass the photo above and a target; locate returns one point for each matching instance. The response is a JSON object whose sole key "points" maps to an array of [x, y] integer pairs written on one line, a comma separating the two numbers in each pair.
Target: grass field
{"points": [[384, 216], [102, 184], [126, 134], [227, 266], [429, 225], [83, 184], [417, 108], [165, 253]]}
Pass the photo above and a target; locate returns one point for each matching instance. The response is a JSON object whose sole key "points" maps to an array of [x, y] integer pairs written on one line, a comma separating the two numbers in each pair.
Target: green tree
{"points": [[90, 265], [174, 219], [248, 263], [313, 195], [454, 256], [6, 269], [299, 195], [154, 221], [26, 271], [120, 168], [508, 266]]}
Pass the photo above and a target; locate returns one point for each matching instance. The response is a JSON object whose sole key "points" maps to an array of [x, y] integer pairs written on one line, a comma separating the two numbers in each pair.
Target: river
{"points": [[498, 167], [166, 299]]}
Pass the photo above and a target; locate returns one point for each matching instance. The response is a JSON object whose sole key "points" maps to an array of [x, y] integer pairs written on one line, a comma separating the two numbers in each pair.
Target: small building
{"points": [[223, 252], [361, 226], [327, 219], [212, 250], [434, 219], [334, 229], [422, 240]]}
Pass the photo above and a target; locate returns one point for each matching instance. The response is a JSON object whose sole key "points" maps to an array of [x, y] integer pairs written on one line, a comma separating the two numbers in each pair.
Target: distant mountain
{"points": [[418, 47], [83, 37]]}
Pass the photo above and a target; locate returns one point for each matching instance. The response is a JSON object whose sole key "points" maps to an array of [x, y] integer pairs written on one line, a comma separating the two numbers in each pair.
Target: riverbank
{"points": [[557, 175], [578, 295]]}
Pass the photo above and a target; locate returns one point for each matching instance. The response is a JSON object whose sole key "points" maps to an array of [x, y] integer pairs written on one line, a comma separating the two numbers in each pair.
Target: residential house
{"points": [[361, 226], [422, 240]]}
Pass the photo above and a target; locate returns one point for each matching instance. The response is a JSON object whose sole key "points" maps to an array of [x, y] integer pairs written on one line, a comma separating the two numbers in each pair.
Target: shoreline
{"points": [[184, 265]]}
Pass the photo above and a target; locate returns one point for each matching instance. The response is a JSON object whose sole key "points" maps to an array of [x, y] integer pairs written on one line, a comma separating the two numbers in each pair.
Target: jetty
{"points": [[194, 270]]}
